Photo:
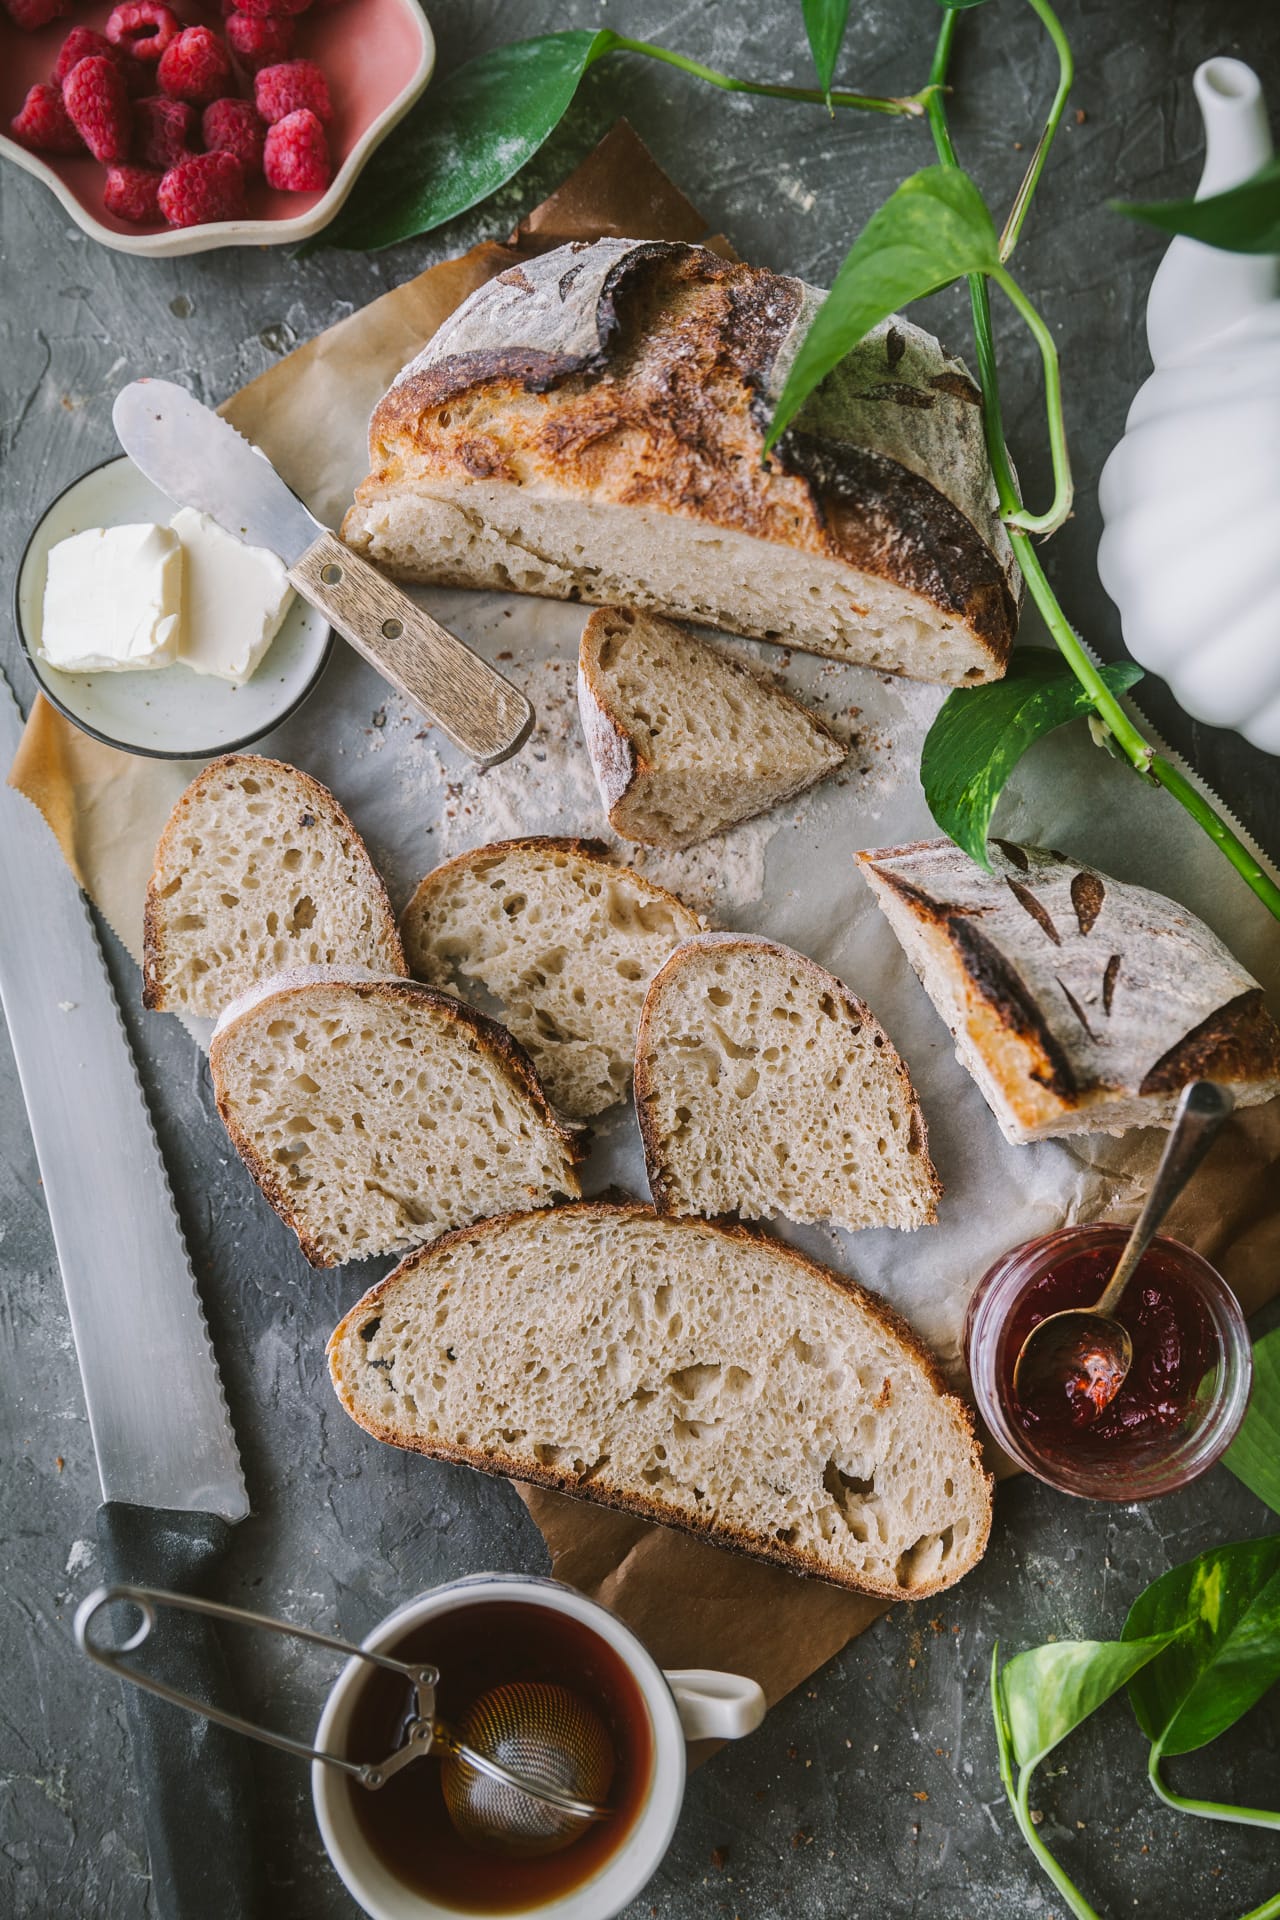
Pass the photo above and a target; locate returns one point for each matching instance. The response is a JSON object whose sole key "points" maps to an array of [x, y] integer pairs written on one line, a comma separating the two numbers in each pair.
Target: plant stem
{"points": [[1269, 1910], [913, 105], [1031, 178], [1063, 489], [1139, 752], [1208, 1809], [1066, 1887]]}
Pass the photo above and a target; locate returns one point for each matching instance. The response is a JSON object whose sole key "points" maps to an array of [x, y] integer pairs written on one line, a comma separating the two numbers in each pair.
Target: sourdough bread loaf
{"points": [[764, 1087], [705, 1377], [258, 869], [375, 1113], [565, 942], [686, 741], [1077, 1002], [590, 425]]}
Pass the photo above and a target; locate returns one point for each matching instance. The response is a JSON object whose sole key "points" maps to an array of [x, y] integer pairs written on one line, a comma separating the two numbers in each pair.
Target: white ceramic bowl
{"points": [[169, 713], [376, 74]]}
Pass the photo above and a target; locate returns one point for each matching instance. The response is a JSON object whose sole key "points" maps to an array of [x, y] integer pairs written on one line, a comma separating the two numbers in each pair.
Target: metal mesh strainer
{"points": [[525, 1774]]}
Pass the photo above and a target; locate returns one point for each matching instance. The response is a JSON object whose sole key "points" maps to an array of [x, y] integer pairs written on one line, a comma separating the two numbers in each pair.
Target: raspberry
{"points": [[43, 123], [260, 7], [143, 28], [209, 186], [131, 193], [98, 102], [233, 126], [259, 40], [196, 66], [288, 88], [31, 14], [81, 44], [164, 131], [295, 158]]}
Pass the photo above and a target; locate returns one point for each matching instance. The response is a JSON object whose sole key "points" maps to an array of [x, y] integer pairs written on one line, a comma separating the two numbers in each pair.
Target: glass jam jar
{"points": [[1186, 1391]]}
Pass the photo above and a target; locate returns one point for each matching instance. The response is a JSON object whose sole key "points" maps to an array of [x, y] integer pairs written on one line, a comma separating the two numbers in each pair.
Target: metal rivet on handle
{"points": [[392, 629], [331, 574]]}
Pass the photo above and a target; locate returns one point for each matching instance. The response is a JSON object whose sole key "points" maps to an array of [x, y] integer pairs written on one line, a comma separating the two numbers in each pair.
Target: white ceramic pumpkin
{"points": [[1191, 496]]}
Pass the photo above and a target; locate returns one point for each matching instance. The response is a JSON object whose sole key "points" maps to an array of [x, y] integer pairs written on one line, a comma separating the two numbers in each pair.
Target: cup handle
{"points": [[716, 1706]]}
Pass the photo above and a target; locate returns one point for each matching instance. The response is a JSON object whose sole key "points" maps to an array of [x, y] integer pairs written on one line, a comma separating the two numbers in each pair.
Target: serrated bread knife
{"points": [[171, 1481], [201, 461]]}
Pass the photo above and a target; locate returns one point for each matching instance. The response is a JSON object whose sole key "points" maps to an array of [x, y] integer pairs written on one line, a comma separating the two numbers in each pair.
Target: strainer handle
{"points": [[147, 1599], [716, 1706]]}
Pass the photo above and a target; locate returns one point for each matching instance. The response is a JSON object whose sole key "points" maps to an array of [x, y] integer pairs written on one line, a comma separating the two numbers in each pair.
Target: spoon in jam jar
{"points": [[1084, 1353]]}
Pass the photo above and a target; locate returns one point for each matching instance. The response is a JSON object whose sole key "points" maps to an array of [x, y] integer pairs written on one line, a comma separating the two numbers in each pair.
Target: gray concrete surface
{"points": [[874, 1790]]}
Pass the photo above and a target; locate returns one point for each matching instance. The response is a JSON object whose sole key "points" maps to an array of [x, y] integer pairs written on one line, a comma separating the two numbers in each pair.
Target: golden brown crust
{"points": [[645, 1080], [665, 411], [154, 988], [489, 1034], [534, 1473]]}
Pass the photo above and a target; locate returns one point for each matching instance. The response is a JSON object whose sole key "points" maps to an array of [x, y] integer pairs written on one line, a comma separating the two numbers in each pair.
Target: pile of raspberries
{"points": [[159, 103]]}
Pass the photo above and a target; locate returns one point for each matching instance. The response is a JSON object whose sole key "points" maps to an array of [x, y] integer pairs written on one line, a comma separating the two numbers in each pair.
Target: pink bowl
{"points": [[378, 55]]}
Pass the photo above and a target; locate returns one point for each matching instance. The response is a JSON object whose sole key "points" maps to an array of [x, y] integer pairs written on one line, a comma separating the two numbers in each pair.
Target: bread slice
{"points": [[685, 741], [375, 1113], [1078, 1003], [590, 425], [566, 942], [763, 1086], [257, 869], [702, 1376]]}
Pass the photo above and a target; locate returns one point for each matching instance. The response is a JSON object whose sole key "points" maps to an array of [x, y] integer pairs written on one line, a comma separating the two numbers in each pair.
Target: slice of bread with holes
{"points": [[764, 1086], [702, 1376], [257, 869], [1078, 1003], [564, 940], [685, 740], [375, 1113]]}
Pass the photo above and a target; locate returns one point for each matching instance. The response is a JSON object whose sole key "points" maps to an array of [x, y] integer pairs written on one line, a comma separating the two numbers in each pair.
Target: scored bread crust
{"points": [[649, 1066], [1078, 1003], [489, 1035], [639, 377], [628, 1500], [155, 986], [589, 853], [621, 766]]}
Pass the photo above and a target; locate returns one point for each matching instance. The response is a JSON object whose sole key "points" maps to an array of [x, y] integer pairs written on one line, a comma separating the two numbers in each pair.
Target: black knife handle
{"points": [[193, 1778]]}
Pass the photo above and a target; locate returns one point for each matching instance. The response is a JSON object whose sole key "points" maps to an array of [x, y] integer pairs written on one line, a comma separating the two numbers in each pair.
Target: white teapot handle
{"points": [[716, 1706]]}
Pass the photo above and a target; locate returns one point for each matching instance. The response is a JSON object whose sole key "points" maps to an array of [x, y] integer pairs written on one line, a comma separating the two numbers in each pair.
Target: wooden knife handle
{"points": [[457, 691]]}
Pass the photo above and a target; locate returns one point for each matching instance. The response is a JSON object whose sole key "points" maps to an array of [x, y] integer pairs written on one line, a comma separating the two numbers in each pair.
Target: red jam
{"points": [[1174, 1346]]}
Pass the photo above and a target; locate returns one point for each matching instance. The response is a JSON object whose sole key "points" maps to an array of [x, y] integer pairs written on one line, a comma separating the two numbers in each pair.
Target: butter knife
{"points": [[200, 461]]}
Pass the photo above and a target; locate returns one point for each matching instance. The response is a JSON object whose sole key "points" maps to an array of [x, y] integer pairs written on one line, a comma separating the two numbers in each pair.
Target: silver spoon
{"points": [[1082, 1354]]}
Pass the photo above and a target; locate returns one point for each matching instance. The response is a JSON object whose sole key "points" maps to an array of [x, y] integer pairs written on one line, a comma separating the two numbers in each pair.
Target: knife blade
{"points": [[167, 1458], [201, 461]]}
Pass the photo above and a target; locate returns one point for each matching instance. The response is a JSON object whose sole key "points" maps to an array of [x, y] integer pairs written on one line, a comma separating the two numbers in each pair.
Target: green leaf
{"points": [[825, 22], [1049, 1690], [959, 6], [465, 138], [1224, 1609], [933, 229], [1254, 1454], [1244, 219], [981, 733]]}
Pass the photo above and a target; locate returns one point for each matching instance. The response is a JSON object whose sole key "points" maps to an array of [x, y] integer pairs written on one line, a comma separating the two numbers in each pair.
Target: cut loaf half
{"points": [[684, 740], [705, 1377], [763, 1087], [565, 940], [258, 869], [1078, 1003], [590, 424], [375, 1113]]}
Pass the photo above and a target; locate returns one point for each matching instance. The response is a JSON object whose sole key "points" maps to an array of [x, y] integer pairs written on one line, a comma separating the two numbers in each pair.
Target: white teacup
{"points": [[694, 1705]]}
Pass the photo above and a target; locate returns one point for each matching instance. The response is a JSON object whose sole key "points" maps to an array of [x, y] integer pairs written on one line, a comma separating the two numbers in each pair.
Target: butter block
{"points": [[112, 600], [234, 599]]}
